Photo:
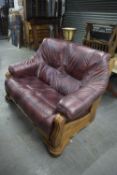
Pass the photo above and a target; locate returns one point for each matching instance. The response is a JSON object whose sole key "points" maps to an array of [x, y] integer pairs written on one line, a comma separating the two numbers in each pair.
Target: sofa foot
{"points": [[56, 144], [57, 151]]}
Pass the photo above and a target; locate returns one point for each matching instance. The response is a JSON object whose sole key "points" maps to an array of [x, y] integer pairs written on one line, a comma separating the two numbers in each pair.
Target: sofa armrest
{"points": [[78, 104], [25, 68]]}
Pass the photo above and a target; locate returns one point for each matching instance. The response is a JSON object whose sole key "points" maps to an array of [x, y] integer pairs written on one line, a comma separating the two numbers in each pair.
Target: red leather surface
{"points": [[37, 99], [26, 68], [59, 80]]}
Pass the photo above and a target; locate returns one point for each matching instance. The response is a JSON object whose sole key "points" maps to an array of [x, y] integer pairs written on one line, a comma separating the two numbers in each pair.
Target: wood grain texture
{"points": [[111, 65], [58, 130], [8, 75], [70, 129]]}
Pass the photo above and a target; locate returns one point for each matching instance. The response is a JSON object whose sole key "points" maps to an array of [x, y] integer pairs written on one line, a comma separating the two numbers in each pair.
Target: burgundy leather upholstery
{"points": [[93, 73], [26, 68], [62, 77], [37, 99], [59, 80]]}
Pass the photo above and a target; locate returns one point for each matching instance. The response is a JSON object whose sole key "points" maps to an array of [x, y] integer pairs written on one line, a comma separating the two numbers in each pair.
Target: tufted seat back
{"points": [[66, 66], [81, 60], [52, 69], [54, 52]]}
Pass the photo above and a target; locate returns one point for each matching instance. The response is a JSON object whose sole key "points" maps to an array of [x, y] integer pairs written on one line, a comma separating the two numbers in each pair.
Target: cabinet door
{"points": [[43, 8]]}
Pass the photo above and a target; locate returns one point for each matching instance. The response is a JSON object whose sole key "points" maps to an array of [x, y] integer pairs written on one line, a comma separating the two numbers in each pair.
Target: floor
{"points": [[92, 151]]}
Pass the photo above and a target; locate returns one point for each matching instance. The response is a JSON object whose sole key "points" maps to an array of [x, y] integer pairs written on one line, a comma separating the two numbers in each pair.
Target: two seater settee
{"points": [[59, 89]]}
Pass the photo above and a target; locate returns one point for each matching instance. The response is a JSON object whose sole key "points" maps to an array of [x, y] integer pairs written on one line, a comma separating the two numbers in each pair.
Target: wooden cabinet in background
{"points": [[42, 18], [28, 36], [39, 33], [35, 33], [43, 8]]}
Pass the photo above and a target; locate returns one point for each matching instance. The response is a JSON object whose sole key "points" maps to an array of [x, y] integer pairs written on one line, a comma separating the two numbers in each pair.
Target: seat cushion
{"points": [[58, 79], [37, 99]]}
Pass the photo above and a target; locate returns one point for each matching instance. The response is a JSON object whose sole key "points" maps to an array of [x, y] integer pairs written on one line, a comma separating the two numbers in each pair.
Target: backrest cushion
{"points": [[81, 59], [67, 66], [58, 79], [54, 52]]}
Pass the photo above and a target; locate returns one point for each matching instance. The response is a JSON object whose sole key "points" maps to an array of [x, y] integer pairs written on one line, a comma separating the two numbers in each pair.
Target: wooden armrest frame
{"points": [[64, 131]]}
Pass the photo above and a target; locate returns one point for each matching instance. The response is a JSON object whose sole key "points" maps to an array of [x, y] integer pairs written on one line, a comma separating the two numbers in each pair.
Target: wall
{"points": [[78, 12], [17, 4], [2, 2]]}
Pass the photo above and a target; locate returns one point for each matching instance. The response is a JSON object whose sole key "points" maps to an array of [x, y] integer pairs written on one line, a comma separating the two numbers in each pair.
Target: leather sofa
{"points": [[59, 89]]}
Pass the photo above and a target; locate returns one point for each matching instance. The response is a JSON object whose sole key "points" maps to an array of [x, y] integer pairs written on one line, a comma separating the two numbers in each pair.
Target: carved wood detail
{"points": [[111, 65], [56, 136], [71, 128]]}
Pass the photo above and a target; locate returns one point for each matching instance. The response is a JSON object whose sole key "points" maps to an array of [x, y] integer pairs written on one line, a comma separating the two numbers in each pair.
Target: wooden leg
{"points": [[56, 146], [57, 151]]}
